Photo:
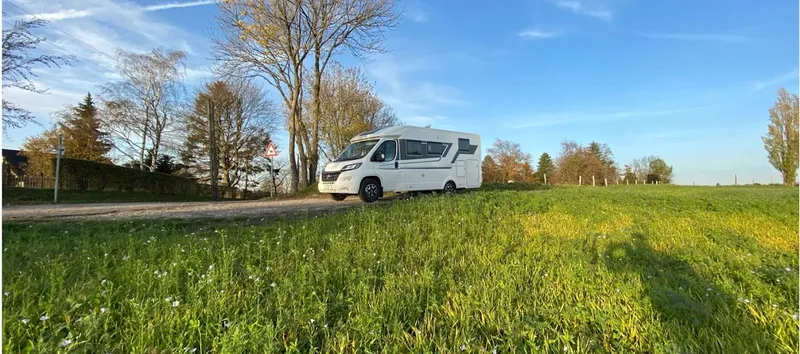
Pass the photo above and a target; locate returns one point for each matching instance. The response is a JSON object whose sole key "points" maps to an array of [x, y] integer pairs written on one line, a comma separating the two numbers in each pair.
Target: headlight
{"points": [[351, 166]]}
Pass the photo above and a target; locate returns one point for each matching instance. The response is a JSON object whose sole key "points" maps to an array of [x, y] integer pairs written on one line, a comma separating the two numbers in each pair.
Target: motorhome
{"points": [[403, 159]]}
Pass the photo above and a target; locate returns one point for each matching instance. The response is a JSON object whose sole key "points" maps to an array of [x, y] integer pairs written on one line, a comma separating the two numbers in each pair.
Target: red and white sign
{"points": [[271, 152]]}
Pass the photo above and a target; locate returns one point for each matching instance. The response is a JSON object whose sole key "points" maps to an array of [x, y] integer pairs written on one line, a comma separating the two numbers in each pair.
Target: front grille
{"points": [[330, 176]]}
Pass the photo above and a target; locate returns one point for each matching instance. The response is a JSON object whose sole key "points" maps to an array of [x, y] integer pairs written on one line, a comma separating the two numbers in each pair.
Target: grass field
{"points": [[637, 269]]}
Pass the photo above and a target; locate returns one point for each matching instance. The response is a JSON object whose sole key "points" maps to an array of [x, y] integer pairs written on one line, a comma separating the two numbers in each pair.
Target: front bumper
{"points": [[344, 183]]}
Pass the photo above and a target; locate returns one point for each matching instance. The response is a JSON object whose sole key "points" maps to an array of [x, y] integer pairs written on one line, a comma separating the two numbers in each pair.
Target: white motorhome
{"points": [[403, 158]]}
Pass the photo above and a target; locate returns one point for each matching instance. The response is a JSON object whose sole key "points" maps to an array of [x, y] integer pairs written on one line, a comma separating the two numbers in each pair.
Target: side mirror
{"points": [[380, 157]]}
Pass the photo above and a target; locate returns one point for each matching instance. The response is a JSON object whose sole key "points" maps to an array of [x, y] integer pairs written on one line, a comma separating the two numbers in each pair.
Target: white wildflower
{"points": [[103, 310], [566, 348], [176, 303], [312, 320], [7, 293], [43, 318], [65, 343], [463, 347], [25, 321], [273, 285]]}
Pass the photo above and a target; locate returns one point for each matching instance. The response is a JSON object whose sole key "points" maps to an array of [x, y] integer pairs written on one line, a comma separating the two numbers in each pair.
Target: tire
{"points": [[338, 197], [449, 188], [370, 190]]}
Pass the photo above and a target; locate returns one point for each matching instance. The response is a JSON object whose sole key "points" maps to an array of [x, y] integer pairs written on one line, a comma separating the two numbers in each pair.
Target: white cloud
{"points": [[177, 5], [419, 17], [413, 100], [559, 118], [790, 76], [706, 37], [581, 8], [106, 25], [534, 33], [71, 13]]}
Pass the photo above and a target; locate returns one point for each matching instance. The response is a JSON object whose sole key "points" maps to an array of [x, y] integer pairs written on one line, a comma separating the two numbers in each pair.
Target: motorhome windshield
{"points": [[357, 150]]}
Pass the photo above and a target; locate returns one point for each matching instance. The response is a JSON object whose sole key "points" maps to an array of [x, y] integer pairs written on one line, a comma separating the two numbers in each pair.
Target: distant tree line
{"points": [[505, 162]]}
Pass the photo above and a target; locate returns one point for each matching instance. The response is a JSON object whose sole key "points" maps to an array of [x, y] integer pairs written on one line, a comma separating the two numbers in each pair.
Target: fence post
{"points": [[580, 180], [605, 181], [626, 181], [593, 181], [545, 178], [636, 181]]}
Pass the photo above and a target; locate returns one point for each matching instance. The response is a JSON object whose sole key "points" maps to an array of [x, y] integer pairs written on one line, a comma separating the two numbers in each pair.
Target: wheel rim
{"points": [[449, 187], [371, 189]]}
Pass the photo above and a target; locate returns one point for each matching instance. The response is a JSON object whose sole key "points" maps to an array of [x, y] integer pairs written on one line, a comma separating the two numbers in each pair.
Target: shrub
{"points": [[88, 175]]}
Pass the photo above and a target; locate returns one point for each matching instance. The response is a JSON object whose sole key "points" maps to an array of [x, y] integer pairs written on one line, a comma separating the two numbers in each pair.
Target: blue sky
{"points": [[690, 81]]}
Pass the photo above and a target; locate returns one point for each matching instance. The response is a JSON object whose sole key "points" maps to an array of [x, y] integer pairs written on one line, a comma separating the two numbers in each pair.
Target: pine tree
{"points": [[83, 138], [545, 166]]}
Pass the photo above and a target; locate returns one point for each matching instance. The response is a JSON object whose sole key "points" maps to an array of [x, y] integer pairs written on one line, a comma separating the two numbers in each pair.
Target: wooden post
{"points": [[545, 178], [580, 180], [213, 151], [626, 181], [605, 181], [592, 180], [636, 181]]}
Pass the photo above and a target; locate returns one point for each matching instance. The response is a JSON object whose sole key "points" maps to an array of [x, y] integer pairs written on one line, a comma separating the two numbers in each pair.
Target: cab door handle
{"points": [[395, 164]]}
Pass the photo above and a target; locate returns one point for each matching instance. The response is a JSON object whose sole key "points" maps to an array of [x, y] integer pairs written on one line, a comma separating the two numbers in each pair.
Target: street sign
{"points": [[271, 152]]}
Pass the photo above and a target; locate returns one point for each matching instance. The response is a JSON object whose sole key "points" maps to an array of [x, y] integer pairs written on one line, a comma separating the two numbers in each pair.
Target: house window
{"points": [[463, 145]]}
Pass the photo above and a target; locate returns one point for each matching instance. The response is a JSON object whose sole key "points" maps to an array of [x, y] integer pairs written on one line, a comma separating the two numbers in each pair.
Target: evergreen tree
{"points": [[630, 176], [545, 166], [83, 137]]}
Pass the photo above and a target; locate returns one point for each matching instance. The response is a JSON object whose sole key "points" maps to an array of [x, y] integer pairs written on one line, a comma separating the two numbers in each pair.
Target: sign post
{"points": [[59, 152], [269, 154]]}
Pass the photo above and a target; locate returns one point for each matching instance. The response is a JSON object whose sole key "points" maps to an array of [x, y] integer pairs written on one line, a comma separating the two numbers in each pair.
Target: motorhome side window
{"points": [[388, 148], [435, 149], [413, 147], [463, 145]]}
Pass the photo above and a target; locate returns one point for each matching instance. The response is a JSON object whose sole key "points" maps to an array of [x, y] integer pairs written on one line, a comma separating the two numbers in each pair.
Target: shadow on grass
{"points": [[695, 314]]}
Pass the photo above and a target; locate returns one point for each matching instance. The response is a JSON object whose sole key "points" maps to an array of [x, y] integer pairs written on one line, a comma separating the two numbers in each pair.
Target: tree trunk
{"points": [[315, 118], [144, 143], [292, 140]]}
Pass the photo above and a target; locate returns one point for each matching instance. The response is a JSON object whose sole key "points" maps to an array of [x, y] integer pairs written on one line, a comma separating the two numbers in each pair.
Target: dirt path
{"points": [[117, 211]]}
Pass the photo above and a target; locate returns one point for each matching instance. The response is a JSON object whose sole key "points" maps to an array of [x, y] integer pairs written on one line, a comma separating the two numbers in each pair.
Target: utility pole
{"points": [[735, 180], [213, 150], [59, 152]]}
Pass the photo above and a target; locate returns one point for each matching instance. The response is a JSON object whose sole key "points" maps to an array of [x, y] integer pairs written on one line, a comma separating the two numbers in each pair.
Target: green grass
{"points": [[22, 196], [621, 269]]}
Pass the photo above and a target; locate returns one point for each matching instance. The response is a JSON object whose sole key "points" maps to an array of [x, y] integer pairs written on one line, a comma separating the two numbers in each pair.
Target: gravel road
{"points": [[118, 211]]}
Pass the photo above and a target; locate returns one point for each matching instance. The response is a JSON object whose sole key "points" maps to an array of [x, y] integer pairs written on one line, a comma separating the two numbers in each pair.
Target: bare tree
{"points": [[267, 39], [781, 140], [510, 162], [355, 25], [18, 42], [243, 119], [348, 105], [145, 102]]}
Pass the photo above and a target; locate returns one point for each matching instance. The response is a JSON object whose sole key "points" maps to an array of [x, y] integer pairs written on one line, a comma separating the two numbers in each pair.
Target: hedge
{"points": [[89, 175]]}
